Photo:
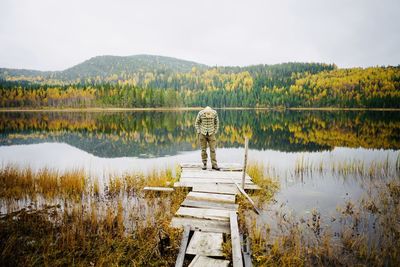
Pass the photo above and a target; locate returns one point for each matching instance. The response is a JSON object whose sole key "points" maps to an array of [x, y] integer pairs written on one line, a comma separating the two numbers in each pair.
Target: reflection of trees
{"points": [[162, 133]]}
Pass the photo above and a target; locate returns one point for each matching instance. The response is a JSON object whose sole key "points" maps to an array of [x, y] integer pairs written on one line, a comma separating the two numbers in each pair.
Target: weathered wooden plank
{"points": [[223, 179], [216, 179], [158, 189], [209, 204], [205, 244], [248, 198], [216, 188], [190, 184], [203, 261], [247, 254], [222, 166], [211, 197], [213, 174], [182, 250], [251, 187], [201, 225], [196, 163], [236, 249], [213, 180], [210, 181], [203, 213], [221, 169]]}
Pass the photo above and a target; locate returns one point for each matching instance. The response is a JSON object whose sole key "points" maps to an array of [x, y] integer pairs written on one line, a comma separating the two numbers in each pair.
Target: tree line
{"points": [[282, 85]]}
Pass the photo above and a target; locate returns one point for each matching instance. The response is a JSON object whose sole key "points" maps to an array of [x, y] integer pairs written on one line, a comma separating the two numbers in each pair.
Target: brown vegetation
{"points": [[88, 226]]}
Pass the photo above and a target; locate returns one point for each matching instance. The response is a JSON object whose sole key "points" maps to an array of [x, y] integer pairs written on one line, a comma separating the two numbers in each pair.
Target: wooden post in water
{"points": [[246, 147]]}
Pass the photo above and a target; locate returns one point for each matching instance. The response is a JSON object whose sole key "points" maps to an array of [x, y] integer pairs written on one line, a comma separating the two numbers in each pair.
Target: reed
{"points": [[115, 185], [349, 167], [25, 183], [21, 183], [121, 230], [16, 183], [73, 183], [269, 185], [96, 187], [366, 230], [309, 241]]}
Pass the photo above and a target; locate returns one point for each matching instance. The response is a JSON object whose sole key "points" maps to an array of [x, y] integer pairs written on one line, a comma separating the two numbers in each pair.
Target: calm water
{"points": [[116, 142]]}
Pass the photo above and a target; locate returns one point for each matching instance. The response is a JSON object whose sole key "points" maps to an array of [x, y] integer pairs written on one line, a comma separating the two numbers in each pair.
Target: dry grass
{"points": [[22, 183], [368, 235], [260, 176], [133, 183], [87, 227], [51, 237], [123, 226]]}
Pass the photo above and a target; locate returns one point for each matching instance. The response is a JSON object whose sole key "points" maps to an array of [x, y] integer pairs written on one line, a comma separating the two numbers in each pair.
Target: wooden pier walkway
{"points": [[208, 213]]}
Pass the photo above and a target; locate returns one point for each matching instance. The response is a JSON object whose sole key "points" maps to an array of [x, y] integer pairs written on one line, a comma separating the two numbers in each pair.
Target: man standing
{"points": [[207, 125]]}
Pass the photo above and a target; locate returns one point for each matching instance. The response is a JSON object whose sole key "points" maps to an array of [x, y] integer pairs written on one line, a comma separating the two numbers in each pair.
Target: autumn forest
{"points": [[145, 81]]}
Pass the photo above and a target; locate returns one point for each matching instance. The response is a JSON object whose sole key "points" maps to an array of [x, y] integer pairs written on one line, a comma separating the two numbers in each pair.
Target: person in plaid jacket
{"points": [[207, 125]]}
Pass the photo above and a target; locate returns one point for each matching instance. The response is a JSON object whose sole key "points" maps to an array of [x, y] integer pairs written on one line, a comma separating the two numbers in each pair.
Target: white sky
{"points": [[57, 34]]}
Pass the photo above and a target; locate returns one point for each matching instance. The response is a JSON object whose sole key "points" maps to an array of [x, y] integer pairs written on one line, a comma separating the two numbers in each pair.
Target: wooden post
{"points": [[246, 147], [182, 249], [237, 260]]}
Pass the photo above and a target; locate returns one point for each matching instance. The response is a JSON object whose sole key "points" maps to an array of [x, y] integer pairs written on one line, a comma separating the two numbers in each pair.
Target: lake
{"points": [[307, 151]]}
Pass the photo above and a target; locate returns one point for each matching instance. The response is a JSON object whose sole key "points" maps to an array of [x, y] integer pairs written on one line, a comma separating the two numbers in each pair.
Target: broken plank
{"points": [[209, 204], [235, 238], [248, 198], [158, 189], [201, 225], [211, 197], [203, 261], [182, 250], [203, 213], [205, 244], [216, 188]]}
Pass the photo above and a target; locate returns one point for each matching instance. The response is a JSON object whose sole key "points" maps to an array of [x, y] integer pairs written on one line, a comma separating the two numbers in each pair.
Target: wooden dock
{"points": [[208, 213]]}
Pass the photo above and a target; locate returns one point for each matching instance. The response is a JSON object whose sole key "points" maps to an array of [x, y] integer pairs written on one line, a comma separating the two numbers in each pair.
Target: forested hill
{"points": [[151, 72], [106, 67], [156, 81]]}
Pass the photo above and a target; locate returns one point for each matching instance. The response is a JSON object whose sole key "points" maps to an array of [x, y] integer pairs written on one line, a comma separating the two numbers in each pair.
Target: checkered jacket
{"points": [[207, 122]]}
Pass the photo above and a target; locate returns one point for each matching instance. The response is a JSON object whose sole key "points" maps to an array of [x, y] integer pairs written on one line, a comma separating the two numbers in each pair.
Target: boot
{"points": [[216, 168]]}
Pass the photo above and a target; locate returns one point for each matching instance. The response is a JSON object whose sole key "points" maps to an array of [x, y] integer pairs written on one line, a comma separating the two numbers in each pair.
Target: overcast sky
{"points": [[57, 34]]}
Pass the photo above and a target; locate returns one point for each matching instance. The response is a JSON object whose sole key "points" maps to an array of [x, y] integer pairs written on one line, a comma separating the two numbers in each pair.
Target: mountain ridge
{"points": [[107, 65], [104, 64]]}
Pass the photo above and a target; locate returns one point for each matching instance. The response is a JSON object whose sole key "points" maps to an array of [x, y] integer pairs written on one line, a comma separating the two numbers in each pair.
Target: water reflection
{"points": [[155, 134], [106, 143]]}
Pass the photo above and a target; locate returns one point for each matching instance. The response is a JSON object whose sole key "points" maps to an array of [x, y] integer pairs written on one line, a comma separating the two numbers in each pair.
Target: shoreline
{"points": [[164, 109]]}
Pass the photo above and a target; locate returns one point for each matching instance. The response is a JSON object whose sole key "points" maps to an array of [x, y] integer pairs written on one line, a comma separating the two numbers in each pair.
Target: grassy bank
{"points": [[68, 219]]}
